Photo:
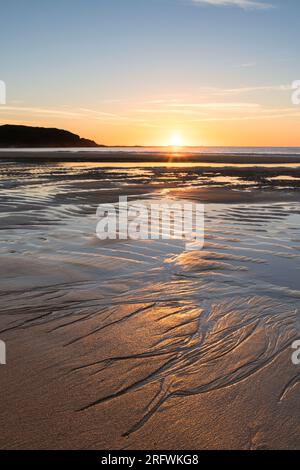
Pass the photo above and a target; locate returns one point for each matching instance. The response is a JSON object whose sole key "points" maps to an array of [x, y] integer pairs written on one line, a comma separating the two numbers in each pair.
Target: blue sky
{"points": [[104, 67]]}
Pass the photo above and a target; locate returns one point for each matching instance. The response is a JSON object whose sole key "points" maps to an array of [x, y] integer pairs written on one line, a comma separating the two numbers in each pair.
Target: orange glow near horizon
{"points": [[178, 131], [176, 141], [274, 132]]}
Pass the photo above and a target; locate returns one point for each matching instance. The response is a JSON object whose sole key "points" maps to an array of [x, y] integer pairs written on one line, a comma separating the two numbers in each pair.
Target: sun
{"points": [[176, 140]]}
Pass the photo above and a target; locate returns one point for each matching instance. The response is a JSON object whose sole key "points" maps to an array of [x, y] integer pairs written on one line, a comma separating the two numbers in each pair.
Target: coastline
{"points": [[140, 156]]}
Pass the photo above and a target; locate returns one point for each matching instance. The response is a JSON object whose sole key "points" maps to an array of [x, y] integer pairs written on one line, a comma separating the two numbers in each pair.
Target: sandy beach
{"points": [[138, 345], [146, 155]]}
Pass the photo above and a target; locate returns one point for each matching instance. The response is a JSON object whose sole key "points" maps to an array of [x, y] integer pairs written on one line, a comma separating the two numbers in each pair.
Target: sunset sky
{"points": [[125, 72]]}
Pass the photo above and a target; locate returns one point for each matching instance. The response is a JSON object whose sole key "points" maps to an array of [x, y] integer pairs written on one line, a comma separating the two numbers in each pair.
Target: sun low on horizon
{"points": [[176, 140]]}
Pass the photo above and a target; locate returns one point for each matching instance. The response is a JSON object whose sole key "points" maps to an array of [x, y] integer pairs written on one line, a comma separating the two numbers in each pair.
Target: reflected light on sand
{"points": [[170, 163]]}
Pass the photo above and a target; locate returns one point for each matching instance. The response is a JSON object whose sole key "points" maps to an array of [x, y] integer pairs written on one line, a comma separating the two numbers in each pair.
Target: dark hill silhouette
{"points": [[26, 136]]}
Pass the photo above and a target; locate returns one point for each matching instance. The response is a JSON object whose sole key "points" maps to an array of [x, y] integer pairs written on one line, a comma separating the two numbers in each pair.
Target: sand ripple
{"points": [[135, 334]]}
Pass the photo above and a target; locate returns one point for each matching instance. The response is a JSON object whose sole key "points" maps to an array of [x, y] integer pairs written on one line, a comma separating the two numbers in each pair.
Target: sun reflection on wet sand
{"points": [[174, 333]]}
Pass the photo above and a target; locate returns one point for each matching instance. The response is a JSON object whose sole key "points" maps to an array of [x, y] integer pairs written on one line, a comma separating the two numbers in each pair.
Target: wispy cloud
{"points": [[244, 4], [73, 113], [226, 106], [264, 115], [251, 89]]}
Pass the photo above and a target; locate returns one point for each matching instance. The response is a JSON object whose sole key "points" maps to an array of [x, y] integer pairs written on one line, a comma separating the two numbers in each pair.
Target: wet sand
{"points": [[140, 155], [126, 345]]}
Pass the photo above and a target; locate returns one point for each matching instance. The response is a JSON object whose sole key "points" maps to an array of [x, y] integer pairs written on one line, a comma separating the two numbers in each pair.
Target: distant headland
{"points": [[14, 136]]}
